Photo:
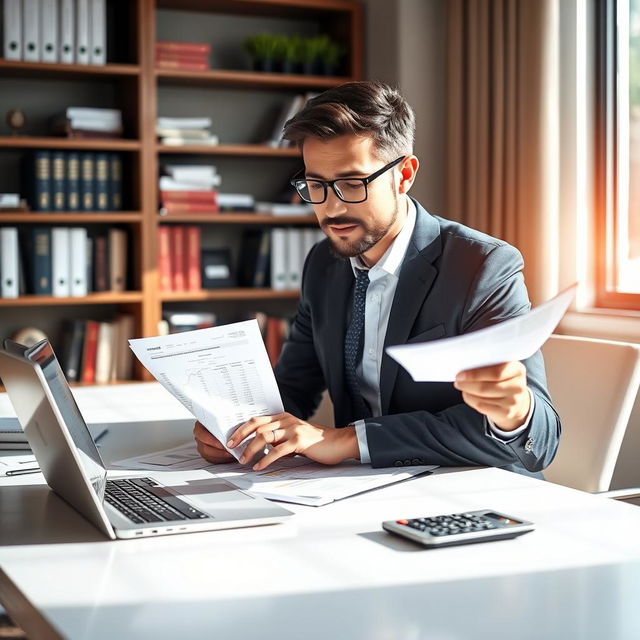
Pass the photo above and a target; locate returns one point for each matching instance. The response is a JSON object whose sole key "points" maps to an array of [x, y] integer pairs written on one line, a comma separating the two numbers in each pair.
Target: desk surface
{"points": [[331, 572]]}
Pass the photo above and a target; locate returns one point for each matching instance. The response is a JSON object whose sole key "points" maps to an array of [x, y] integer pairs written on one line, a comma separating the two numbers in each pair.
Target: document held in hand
{"points": [[513, 339], [222, 375]]}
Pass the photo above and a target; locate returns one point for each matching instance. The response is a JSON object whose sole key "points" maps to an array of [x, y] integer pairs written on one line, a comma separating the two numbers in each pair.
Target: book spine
{"points": [[206, 197], [31, 30], [185, 47], [104, 353], [13, 29], [188, 207], [87, 178], [194, 282], [189, 58], [78, 261], [164, 258], [72, 358], [190, 66], [37, 180], [73, 181], [177, 258], [89, 351], [61, 262], [100, 264], [117, 259], [41, 269], [67, 36], [9, 262], [58, 181], [115, 182], [101, 182], [260, 277]]}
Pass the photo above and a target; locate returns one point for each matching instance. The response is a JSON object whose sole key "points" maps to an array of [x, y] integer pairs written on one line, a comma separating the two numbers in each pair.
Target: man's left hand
{"points": [[290, 435], [499, 392]]}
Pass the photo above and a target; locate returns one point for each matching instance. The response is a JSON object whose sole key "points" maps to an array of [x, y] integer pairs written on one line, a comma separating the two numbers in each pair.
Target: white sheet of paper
{"points": [[222, 375], [297, 479], [514, 339]]}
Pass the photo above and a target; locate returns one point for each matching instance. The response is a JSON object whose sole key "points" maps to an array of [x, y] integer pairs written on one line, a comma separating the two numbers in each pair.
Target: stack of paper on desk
{"points": [[296, 479], [222, 375]]}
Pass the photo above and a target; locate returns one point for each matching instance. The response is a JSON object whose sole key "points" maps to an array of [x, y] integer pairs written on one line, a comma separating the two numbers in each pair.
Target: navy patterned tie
{"points": [[353, 342]]}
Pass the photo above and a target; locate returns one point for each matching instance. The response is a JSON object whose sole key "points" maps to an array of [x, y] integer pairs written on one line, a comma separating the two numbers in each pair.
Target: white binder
{"points": [[294, 258], [98, 29], [12, 29], [49, 30], [78, 239], [60, 262], [67, 40], [31, 30], [83, 44], [279, 261], [9, 263]]}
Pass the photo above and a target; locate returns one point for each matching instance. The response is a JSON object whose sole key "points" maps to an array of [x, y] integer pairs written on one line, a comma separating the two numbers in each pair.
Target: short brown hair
{"points": [[368, 108]]}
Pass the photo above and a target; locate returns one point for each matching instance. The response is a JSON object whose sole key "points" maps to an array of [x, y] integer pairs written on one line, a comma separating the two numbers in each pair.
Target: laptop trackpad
{"points": [[211, 491]]}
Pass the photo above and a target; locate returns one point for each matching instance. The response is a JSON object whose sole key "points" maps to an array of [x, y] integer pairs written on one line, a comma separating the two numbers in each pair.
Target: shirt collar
{"points": [[392, 258]]}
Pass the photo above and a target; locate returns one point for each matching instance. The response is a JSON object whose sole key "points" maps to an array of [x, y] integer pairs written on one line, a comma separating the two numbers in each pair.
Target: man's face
{"points": [[353, 228]]}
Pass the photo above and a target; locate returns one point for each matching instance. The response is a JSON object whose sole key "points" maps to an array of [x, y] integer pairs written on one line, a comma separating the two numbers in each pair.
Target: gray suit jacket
{"points": [[453, 280]]}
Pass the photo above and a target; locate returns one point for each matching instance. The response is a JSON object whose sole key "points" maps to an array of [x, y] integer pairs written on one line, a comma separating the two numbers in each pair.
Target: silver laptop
{"points": [[126, 507]]}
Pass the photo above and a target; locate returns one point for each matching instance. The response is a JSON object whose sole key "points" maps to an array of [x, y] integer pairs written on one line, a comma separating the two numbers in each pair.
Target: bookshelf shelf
{"points": [[72, 217], [19, 68], [235, 218], [108, 297], [248, 79], [230, 150], [229, 294], [92, 144]]}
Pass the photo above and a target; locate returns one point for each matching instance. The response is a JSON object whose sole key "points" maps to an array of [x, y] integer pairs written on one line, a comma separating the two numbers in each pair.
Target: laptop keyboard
{"points": [[134, 500]]}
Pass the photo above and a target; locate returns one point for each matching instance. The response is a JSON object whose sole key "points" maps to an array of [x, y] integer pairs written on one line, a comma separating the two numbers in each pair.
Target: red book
{"points": [[89, 351], [192, 253], [274, 339], [182, 57], [184, 47], [190, 207], [188, 66], [164, 258], [177, 258], [208, 197]]}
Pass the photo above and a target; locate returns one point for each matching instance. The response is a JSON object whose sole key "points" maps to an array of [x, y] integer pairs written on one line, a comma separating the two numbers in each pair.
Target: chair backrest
{"points": [[593, 385]]}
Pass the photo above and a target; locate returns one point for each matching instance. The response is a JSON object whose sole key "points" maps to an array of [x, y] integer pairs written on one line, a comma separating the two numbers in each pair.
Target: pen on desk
{"points": [[101, 435], [19, 472]]}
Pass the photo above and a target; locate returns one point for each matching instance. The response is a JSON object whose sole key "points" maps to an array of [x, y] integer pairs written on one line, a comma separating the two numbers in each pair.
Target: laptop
{"points": [[122, 507]]}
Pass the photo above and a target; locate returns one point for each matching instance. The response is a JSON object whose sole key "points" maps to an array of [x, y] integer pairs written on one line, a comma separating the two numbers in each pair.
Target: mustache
{"points": [[339, 220]]}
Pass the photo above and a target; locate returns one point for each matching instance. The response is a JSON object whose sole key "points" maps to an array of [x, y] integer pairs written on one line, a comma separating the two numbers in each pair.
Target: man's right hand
{"points": [[209, 447]]}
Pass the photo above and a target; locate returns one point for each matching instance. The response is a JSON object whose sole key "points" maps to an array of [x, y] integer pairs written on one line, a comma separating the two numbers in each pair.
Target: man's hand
{"points": [[289, 435], [499, 392], [209, 447]]}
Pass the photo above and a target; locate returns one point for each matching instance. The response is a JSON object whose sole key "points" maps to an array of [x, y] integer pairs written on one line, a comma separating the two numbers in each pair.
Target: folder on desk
{"points": [[12, 29]]}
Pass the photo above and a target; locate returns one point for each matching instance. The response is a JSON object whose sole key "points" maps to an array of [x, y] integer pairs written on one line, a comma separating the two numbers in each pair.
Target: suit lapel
{"points": [[414, 283]]}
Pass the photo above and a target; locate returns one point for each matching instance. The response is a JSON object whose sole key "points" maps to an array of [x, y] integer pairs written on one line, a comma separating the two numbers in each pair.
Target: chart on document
{"points": [[222, 374]]}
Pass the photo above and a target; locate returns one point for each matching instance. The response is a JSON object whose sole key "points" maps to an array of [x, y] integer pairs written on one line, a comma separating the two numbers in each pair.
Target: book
{"points": [[87, 177], [71, 355], [254, 254], [115, 182], [100, 263], [89, 351], [104, 353], [164, 258], [101, 182], [58, 181], [117, 244], [184, 123], [211, 141], [72, 184], [294, 258], [123, 357], [184, 47], [288, 110], [167, 183], [274, 338], [175, 56], [41, 261], [192, 253], [178, 266], [202, 197], [36, 178], [173, 207], [187, 66]]}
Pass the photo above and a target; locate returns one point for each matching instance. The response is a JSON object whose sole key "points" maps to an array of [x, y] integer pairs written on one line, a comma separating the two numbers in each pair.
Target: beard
{"points": [[372, 235]]}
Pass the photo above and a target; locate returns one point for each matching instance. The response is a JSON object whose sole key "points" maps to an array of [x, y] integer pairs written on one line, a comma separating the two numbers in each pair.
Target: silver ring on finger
{"points": [[274, 437]]}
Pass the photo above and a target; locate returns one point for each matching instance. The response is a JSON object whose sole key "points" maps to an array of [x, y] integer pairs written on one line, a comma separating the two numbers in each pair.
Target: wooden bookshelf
{"points": [[229, 294], [235, 218], [131, 82]]}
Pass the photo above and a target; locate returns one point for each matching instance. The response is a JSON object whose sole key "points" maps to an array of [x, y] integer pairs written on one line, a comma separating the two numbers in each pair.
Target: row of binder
{"points": [[66, 31], [61, 261]]}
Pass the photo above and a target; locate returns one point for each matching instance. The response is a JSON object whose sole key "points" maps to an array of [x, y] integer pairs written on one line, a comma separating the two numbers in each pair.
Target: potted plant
{"points": [[311, 48], [294, 55], [330, 55], [262, 49]]}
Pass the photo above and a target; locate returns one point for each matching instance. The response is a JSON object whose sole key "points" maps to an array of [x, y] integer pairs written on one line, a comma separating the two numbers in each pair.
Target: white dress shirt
{"points": [[383, 280]]}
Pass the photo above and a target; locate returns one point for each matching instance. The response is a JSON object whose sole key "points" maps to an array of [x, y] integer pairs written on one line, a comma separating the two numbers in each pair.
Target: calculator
{"points": [[459, 528]]}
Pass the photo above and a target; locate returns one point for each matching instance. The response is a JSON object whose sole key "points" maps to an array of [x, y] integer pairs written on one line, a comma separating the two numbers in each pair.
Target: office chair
{"points": [[593, 385]]}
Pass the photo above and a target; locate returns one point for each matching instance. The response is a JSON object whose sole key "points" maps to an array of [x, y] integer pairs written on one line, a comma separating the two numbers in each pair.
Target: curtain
{"points": [[502, 127]]}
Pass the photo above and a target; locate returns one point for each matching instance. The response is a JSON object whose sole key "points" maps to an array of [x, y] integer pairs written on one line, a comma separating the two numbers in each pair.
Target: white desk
{"points": [[332, 572]]}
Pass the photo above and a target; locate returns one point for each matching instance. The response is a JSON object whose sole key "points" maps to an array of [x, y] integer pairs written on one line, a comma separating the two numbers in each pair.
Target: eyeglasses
{"points": [[351, 190]]}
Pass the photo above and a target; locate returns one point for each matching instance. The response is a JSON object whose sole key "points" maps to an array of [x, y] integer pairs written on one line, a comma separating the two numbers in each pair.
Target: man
{"points": [[390, 273]]}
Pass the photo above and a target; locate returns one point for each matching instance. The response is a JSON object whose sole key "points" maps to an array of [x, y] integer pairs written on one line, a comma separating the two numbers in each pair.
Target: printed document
{"points": [[222, 375], [297, 480], [514, 339]]}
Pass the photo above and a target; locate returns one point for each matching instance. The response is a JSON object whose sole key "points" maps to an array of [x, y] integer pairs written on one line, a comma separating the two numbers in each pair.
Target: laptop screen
{"points": [[94, 468]]}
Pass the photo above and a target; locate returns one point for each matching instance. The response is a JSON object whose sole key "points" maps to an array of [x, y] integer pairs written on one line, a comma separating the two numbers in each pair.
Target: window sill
{"points": [[607, 324]]}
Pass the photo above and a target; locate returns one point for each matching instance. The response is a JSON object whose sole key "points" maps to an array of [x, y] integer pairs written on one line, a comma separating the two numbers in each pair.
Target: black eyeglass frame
{"points": [[331, 183]]}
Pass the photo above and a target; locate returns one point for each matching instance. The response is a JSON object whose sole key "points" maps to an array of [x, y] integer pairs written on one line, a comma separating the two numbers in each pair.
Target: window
{"points": [[618, 155]]}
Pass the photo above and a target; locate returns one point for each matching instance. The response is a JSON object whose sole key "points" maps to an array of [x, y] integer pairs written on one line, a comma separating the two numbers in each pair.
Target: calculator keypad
{"points": [[451, 524]]}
